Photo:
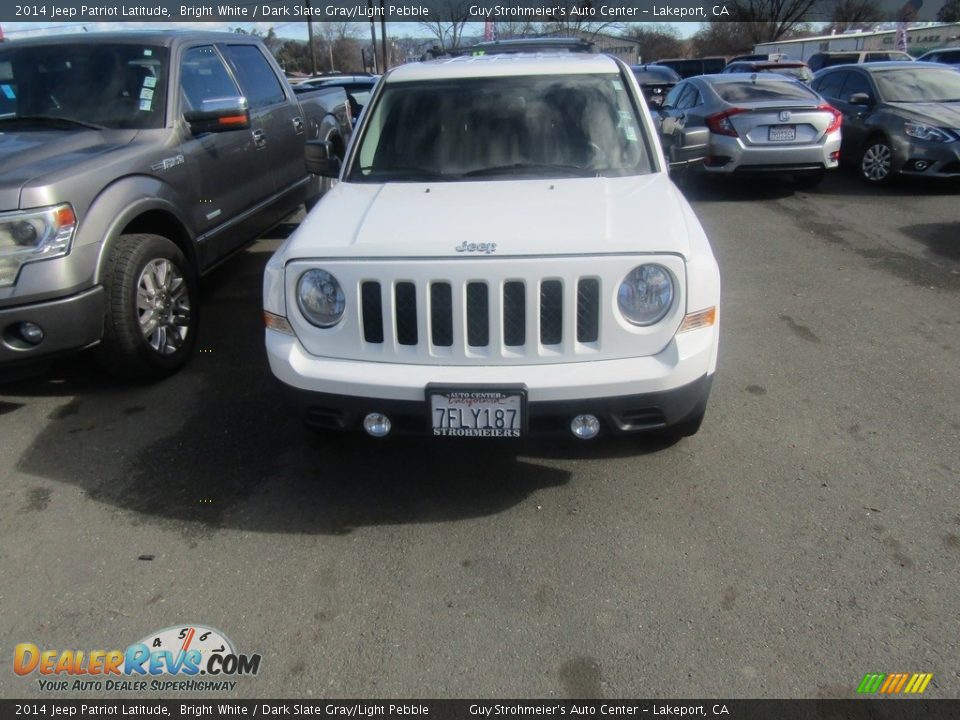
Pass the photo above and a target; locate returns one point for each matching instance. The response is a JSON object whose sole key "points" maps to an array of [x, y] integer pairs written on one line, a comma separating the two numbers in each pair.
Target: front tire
{"points": [[152, 309], [876, 161]]}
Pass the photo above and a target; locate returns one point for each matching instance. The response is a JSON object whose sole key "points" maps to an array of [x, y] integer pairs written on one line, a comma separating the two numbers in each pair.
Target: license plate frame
{"points": [[782, 133], [480, 402]]}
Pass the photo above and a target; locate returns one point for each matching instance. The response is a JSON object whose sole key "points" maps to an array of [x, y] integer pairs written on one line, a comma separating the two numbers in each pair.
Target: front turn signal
{"points": [[699, 319]]}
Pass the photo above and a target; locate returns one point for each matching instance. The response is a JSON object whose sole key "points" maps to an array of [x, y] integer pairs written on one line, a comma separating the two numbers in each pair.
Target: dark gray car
{"points": [[898, 118]]}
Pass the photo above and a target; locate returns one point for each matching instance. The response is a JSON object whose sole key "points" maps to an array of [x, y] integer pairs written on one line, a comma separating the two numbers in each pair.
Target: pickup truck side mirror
{"points": [[320, 158], [219, 115], [860, 99], [689, 145]]}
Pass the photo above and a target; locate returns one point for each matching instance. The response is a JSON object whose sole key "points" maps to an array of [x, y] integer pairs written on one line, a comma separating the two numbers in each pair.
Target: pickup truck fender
{"points": [[154, 210]]}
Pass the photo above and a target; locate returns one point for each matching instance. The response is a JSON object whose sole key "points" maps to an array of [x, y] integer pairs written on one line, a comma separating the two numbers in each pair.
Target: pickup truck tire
{"points": [[150, 325]]}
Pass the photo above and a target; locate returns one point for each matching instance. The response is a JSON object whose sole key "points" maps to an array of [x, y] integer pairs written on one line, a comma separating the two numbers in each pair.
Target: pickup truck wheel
{"points": [[150, 326]]}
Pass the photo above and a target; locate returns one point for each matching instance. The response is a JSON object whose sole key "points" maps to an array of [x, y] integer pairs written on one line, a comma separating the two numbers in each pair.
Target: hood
{"points": [[932, 113], [522, 217], [27, 155]]}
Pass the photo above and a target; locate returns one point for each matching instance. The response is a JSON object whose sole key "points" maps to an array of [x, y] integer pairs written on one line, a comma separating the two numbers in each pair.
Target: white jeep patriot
{"points": [[504, 254]]}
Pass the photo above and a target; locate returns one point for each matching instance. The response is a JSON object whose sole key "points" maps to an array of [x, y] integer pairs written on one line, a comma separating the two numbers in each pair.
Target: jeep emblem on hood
{"points": [[476, 247]]}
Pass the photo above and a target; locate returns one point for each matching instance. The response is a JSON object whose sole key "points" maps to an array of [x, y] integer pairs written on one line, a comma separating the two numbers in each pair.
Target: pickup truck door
{"points": [[279, 118], [230, 176]]}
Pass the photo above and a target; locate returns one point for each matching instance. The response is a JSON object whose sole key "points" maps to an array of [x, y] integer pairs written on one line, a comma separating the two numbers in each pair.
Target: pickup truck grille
{"points": [[513, 323], [490, 311]]}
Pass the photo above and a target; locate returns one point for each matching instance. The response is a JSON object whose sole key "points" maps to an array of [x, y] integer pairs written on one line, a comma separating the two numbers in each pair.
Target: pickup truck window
{"points": [[502, 127], [204, 77], [255, 75], [113, 85]]}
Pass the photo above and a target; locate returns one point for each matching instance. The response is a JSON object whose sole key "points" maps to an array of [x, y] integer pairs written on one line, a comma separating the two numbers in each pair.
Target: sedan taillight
{"points": [[720, 123], [837, 118]]}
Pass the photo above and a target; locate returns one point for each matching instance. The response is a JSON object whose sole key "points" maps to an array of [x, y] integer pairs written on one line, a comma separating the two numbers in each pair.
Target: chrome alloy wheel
{"points": [[163, 306], [877, 162]]}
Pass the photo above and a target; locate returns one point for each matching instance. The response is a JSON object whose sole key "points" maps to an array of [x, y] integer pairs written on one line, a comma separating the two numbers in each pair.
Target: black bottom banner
{"points": [[866, 709]]}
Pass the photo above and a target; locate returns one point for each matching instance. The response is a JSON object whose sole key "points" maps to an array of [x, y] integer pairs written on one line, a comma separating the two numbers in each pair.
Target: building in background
{"points": [[920, 39]]}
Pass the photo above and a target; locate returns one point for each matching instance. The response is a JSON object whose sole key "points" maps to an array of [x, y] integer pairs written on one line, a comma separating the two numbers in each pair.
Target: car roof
{"points": [[722, 78], [881, 66], [164, 38], [771, 63], [509, 64]]}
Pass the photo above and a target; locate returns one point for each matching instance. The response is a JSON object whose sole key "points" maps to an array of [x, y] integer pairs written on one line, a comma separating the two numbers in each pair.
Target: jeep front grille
{"points": [[513, 325], [490, 311]]}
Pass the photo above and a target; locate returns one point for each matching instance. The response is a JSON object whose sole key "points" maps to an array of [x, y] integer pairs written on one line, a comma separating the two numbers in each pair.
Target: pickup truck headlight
{"points": [[30, 235], [646, 294], [320, 298]]}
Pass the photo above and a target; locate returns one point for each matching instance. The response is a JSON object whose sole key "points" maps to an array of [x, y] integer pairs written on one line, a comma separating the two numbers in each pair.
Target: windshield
{"points": [[542, 126], [109, 85], [921, 84]]}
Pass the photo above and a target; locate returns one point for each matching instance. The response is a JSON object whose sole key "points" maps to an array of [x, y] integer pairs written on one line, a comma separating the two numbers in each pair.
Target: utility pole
{"points": [[383, 37], [313, 52], [373, 35]]}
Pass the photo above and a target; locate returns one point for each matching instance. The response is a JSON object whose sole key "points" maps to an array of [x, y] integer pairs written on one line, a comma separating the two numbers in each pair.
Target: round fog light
{"points": [[585, 427], [31, 332], [377, 425]]}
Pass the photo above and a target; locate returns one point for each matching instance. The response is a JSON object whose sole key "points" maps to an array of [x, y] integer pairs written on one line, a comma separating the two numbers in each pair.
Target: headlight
{"points": [[927, 132], [30, 235], [646, 294], [320, 298]]}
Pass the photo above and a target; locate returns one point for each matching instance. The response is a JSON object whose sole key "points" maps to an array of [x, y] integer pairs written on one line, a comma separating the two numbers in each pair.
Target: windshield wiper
{"points": [[572, 170], [53, 120], [400, 171]]}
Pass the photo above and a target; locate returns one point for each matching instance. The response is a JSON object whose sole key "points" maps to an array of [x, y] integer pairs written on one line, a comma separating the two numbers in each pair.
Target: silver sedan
{"points": [[758, 123]]}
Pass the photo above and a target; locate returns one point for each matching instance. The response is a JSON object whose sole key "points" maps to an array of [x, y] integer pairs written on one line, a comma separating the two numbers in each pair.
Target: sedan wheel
{"points": [[876, 164]]}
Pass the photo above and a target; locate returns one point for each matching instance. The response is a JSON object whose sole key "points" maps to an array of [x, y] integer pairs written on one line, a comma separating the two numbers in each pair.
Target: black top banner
{"points": [[565, 11], [866, 709]]}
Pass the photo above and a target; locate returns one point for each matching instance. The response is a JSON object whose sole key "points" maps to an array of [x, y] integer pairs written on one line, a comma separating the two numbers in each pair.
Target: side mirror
{"points": [[320, 158], [860, 99], [689, 145], [219, 115]]}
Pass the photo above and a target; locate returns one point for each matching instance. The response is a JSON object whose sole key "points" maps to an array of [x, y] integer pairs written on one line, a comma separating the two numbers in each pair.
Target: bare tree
{"points": [[514, 29], [950, 12], [854, 15], [720, 37], [772, 19], [656, 41], [576, 18], [451, 17]]}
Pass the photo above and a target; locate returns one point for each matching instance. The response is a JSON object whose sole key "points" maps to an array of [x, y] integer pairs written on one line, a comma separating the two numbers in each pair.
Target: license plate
{"points": [[781, 133], [476, 413]]}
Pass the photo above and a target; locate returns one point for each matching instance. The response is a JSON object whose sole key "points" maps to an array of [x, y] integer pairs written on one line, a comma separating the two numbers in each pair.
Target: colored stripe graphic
{"points": [[894, 683], [870, 683]]}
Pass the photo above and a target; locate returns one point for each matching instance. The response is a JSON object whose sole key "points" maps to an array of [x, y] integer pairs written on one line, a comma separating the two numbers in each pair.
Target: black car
{"points": [[655, 82], [690, 67], [359, 88], [898, 117], [947, 56]]}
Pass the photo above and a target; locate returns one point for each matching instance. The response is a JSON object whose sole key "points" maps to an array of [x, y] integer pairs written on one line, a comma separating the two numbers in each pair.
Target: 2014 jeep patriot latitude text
{"points": [[505, 254]]}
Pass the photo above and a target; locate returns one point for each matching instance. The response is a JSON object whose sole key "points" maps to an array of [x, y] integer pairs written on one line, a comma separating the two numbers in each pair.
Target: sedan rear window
{"points": [[763, 90]]}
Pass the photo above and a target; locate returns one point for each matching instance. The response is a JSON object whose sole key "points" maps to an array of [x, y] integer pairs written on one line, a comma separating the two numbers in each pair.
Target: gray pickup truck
{"points": [[130, 164]]}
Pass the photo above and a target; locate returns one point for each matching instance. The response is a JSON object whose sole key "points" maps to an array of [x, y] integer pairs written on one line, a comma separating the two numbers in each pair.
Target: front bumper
{"points": [[69, 323], [941, 160], [628, 395]]}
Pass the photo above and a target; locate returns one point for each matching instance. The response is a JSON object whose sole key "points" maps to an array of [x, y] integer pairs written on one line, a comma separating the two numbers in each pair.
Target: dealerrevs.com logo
{"points": [[178, 658]]}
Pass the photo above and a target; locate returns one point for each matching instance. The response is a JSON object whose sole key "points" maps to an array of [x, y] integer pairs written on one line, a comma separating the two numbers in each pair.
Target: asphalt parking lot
{"points": [[810, 533]]}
